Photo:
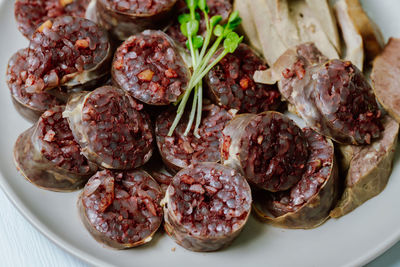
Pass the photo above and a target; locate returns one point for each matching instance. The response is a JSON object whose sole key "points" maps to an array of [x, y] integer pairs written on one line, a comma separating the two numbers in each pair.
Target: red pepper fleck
{"points": [[154, 87], [299, 69], [225, 147], [287, 73], [187, 179], [170, 73], [118, 64], [244, 83]]}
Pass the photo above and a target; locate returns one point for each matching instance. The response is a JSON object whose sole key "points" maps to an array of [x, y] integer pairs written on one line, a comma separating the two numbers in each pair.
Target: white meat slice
{"points": [[352, 37]]}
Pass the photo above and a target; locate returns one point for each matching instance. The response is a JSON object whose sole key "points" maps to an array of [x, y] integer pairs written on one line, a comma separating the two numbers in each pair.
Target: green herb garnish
{"points": [[201, 53]]}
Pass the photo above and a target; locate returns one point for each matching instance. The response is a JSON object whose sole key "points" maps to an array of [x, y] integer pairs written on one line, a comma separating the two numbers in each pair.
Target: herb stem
{"points": [[185, 98], [202, 53], [200, 76], [192, 52], [208, 56], [192, 112], [199, 110], [208, 35]]}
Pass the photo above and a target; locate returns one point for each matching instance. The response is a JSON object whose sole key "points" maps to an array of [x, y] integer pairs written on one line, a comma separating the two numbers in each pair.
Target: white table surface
{"points": [[22, 245]]}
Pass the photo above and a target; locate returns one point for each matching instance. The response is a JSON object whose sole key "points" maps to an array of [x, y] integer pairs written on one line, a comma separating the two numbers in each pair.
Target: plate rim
{"points": [[41, 227], [89, 259]]}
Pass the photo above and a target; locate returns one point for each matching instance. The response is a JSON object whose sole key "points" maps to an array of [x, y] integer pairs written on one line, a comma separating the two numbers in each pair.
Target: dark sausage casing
{"points": [[151, 67], [179, 151], [308, 203], [125, 18], [49, 157], [368, 169], [111, 128], [158, 171], [121, 209], [68, 52], [206, 206], [269, 149]]}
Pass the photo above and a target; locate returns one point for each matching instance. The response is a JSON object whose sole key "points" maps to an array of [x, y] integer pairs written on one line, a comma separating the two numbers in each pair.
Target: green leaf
{"points": [[184, 29], [219, 30], [232, 41], [192, 27], [203, 6], [227, 31], [183, 18], [198, 41], [233, 16], [234, 24], [234, 20], [215, 20]]}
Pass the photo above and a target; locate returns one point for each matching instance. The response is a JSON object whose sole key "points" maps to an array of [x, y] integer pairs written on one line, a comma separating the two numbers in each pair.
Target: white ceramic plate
{"points": [[353, 240]]}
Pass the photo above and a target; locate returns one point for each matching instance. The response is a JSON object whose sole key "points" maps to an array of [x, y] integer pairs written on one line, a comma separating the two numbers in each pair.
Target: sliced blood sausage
{"points": [[231, 83], [308, 203], [216, 7], [67, 51], [48, 155], [111, 128], [149, 66], [30, 14], [121, 209], [269, 149], [124, 18], [369, 169], [206, 206], [29, 105], [334, 97], [346, 102], [179, 151]]}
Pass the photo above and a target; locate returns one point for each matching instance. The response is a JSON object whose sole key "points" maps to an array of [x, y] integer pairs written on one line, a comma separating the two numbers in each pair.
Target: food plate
{"points": [[355, 239]]}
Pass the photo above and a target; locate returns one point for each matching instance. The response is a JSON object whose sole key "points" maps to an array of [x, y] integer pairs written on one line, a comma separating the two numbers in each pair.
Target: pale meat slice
{"points": [[274, 73], [308, 51], [282, 24], [369, 169], [351, 36], [285, 24], [271, 43], [310, 28], [372, 36], [247, 27], [324, 14], [385, 78]]}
